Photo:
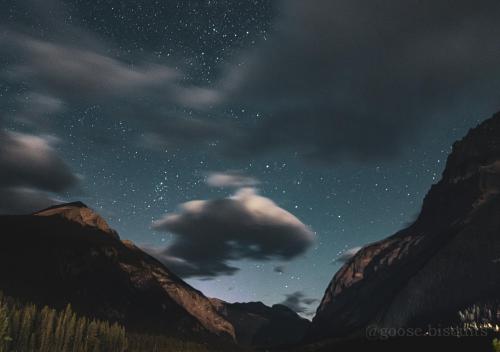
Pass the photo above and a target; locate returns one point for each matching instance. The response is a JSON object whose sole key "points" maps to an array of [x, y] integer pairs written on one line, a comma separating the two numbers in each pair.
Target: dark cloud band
{"points": [[351, 79]]}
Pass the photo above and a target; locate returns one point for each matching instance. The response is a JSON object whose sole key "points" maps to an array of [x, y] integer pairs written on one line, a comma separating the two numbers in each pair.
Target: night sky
{"points": [[308, 128]]}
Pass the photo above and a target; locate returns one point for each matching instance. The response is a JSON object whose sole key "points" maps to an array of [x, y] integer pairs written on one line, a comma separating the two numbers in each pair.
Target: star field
{"points": [[141, 152]]}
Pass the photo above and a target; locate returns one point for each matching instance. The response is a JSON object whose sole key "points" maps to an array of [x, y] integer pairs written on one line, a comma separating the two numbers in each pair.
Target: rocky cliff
{"points": [[447, 260], [69, 254]]}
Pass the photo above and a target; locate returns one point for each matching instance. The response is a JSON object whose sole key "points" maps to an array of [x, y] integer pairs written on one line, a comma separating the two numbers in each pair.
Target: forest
{"points": [[25, 327]]}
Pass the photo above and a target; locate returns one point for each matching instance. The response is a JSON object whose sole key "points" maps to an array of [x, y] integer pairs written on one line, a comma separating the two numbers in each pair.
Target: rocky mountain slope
{"points": [[258, 325], [447, 260], [78, 212], [68, 253]]}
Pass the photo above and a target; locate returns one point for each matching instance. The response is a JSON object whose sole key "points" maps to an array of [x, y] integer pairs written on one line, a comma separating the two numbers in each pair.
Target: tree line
{"points": [[27, 328]]}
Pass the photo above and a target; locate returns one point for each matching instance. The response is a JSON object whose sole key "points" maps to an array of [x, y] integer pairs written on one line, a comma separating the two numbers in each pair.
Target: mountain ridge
{"points": [[68, 254], [262, 326]]}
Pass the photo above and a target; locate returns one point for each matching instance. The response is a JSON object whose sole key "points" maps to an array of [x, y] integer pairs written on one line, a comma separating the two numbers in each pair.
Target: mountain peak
{"points": [[76, 204], [80, 213]]}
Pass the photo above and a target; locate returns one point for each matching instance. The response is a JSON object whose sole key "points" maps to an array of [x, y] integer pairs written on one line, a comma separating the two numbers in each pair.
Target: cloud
{"points": [[174, 129], [80, 73], [347, 255], [156, 97], [280, 269], [19, 200], [230, 179], [28, 160], [347, 78], [36, 106], [31, 171], [299, 303], [69, 67], [209, 234], [335, 78]]}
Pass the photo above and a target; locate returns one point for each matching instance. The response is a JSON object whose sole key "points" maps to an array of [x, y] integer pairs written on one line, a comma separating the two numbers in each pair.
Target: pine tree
{"points": [[92, 339], [78, 341], [48, 326], [70, 324], [4, 327], [15, 323], [26, 327]]}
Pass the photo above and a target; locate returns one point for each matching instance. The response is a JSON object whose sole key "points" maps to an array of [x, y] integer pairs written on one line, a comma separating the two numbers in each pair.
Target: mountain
{"points": [[78, 212], [446, 261], [258, 325], [69, 254]]}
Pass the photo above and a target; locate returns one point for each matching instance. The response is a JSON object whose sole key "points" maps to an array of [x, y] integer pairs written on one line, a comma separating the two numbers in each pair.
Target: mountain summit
{"points": [[446, 261], [79, 212]]}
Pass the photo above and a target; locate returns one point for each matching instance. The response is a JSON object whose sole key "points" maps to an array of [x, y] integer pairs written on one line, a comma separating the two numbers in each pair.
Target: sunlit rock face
{"points": [[446, 260], [78, 212]]}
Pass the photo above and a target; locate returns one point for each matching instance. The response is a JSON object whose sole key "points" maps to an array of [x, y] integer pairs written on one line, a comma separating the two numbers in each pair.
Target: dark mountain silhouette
{"points": [[446, 261], [69, 254], [258, 325]]}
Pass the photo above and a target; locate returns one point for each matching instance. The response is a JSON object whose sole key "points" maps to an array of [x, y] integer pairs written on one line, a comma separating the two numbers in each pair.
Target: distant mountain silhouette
{"points": [[446, 261], [258, 325]]}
